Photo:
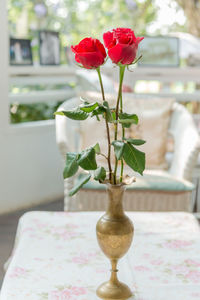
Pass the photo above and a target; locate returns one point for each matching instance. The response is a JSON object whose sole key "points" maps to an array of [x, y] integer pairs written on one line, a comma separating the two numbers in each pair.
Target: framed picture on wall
{"points": [[20, 52], [49, 47], [159, 51]]}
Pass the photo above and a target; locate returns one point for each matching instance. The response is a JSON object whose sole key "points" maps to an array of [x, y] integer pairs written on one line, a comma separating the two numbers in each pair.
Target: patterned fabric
{"points": [[56, 257]]}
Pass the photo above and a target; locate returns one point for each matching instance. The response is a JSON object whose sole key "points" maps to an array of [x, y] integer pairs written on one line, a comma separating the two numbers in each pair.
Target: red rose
{"points": [[122, 45], [90, 53]]}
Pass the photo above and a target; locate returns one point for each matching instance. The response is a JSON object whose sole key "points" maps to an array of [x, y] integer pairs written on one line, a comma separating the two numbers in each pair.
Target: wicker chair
{"points": [[142, 198], [93, 197]]}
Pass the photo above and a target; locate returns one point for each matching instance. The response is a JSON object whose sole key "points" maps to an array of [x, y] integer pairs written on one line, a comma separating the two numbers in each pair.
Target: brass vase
{"points": [[114, 234]]}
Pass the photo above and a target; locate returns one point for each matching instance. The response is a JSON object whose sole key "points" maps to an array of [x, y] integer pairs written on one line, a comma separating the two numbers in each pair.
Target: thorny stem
{"points": [[107, 127], [121, 77]]}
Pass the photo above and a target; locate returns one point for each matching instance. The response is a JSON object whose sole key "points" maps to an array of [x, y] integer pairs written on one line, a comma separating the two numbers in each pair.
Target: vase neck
{"points": [[115, 201]]}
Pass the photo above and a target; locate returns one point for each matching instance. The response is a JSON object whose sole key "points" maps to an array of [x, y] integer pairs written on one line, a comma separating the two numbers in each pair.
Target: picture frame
{"points": [[159, 51], [49, 48], [20, 52]]}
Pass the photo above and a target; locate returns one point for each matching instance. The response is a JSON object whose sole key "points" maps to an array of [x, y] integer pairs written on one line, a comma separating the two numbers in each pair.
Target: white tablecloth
{"points": [[57, 258]]}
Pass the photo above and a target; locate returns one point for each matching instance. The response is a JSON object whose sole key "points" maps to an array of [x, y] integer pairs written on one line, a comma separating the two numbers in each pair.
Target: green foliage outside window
{"points": [[77, 18], [20, 113], [73, 19]]}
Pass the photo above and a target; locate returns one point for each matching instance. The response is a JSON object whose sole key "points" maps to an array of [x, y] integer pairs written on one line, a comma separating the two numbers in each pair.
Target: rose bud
{"points": [[122, 45], [90, 53]]}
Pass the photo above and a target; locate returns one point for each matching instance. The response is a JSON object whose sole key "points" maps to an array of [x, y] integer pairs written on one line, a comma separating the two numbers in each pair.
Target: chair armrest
{"points": [[89, 81], [187, 143], [70, 203], [67, 131], [68, 139]]}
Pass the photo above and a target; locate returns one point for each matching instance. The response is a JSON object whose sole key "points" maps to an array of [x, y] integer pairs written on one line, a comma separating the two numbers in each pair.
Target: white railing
{"points": [[48, 76], [41, 96], [51, 75], [180, 97], [60, 75], [166, 76], [183, 74]]}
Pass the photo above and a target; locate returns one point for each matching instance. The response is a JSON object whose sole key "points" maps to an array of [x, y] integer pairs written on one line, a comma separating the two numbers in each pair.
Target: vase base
{"points": [[114, 291]]}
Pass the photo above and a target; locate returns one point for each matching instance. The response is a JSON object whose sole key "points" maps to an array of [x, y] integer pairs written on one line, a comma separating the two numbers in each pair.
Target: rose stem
{"points": [[123, 136], [121, 77], [107, 126]]}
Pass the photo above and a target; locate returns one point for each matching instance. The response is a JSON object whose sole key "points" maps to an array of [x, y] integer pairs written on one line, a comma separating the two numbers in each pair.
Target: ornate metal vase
{"points": [[114, 234]]}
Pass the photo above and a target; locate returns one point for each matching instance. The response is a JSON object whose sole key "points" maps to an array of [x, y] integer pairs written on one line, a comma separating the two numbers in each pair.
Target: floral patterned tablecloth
{"points": [[56, 257]]}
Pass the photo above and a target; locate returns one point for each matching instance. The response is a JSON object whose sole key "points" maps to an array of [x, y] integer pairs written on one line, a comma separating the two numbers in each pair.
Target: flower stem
{"points": [[107, 127], [123, 136], [121, 77], [101, 83]]}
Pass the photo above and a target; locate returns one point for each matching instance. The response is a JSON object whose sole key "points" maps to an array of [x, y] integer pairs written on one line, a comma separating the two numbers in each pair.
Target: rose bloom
{"points": [[90, 53], [122, 45]]}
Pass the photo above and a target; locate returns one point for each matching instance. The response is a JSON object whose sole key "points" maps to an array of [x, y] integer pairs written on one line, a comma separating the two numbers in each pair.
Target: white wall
{"points": [[31, 168], [30, 165]]}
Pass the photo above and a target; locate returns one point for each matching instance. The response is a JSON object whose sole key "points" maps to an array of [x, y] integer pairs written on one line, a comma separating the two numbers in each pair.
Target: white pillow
{"points": [[154, 117]]}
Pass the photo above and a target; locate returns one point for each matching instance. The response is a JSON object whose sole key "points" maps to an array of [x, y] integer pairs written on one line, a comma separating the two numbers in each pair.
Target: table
{"points": [[56, 257]]}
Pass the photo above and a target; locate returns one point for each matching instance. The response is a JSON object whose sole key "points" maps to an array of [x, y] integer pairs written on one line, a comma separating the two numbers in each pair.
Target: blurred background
{"points": [[35, 78], [38, 73], [76, 19]]}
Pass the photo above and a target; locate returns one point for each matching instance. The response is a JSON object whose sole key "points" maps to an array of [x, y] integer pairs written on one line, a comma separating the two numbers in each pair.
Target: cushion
{"points": [[154, 117], [156, 181]]}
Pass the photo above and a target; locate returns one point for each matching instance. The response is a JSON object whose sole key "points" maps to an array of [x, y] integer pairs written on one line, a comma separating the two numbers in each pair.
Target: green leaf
{"points": [[88, 107], [100, 174], [71, 165], [98, 119], [105, 103], [136, 141], [84, 179], [109, 116], [128, 119], [97, 148], [87, 159], [98, 111], [134, 158], [119, 148], [75, 114], [127, 122]]}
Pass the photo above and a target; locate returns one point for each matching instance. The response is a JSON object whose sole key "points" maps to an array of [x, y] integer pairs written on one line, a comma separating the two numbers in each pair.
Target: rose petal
{"points": [[90, 53], [124, 32], [100, 47], [77, 59], [107, 38], [86, 45], [90, 60], [125, 54], [139, 39], [73, 48]]}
